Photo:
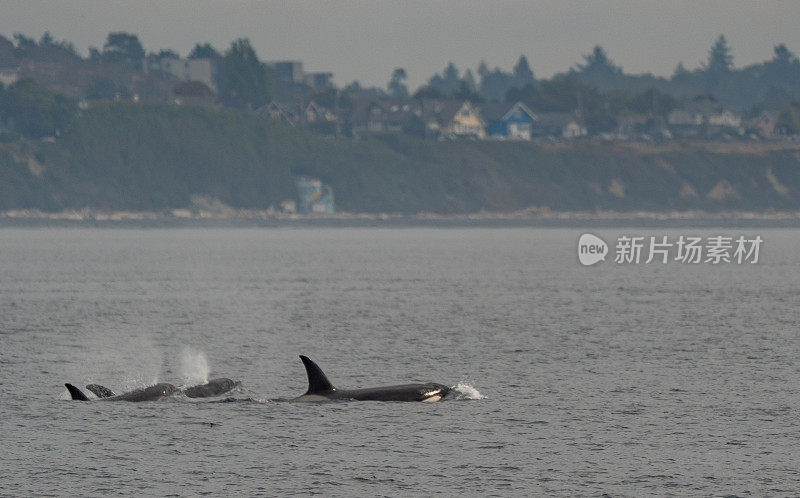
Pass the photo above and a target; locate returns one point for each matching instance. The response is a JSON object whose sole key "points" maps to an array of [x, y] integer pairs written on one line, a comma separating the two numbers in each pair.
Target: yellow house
{"points": [[459, 119]]}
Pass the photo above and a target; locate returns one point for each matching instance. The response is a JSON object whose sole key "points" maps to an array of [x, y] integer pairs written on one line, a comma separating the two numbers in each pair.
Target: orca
{"points": [[321, 389], [213, 387], [150, 393], [101, 391]]}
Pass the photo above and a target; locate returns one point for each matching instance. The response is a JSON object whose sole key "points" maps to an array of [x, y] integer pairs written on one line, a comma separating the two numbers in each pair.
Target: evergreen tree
{"points": [[428, 92], [36, 111], [124, 48], [526, 94], [23, 42], [783, 55], [652, 101], [451, 77], [165, 53], [483, 69], [46, 39], [495, 85], [680, 70], [396, 87], [523, 75], [448, 82], [244, 80], [464, 93], [784, 68], [720, 59], [469, 81], [598, 62], [204, 51], [776, 98]]}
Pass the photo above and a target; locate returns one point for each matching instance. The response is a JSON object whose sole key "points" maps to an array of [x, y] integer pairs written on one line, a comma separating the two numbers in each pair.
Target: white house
{"points": [[574, 129], [559, 124], [725, 119], [9, 75]]}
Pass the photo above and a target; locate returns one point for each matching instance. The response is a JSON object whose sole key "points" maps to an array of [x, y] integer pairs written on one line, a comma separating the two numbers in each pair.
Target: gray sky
{"points": [[365, 40]]}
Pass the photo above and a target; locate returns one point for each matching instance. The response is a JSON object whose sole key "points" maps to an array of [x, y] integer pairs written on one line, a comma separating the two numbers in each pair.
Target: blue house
{"points": [[508, 121]]}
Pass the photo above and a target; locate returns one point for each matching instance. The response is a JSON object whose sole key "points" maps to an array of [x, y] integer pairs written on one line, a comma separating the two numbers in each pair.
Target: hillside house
{"points": [[297, 112], [764, 124], [278, 111], [193, 93], [559, 125], [319, 80], [372, 116], [701, 116], [9, 75], [289, 72], [455, 119], [508, 121]]}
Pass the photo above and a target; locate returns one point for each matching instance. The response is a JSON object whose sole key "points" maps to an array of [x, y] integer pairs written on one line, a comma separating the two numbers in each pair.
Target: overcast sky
{"points": [[365, 40]]}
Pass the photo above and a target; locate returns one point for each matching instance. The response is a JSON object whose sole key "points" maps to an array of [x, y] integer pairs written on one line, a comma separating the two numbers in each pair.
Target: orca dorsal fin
{"points": [[317, 381], [76, 393], [101, 391]]}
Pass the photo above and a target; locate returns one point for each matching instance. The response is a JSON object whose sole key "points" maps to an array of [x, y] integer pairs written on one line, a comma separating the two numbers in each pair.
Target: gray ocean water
{"points": [[619, 379]]}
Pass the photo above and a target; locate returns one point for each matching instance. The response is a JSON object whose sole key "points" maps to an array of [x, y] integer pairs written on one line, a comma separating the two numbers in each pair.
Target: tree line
{"points": [[596, 87]]}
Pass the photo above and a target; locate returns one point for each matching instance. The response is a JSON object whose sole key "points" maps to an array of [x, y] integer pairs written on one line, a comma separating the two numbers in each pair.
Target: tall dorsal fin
{"points": [[317, 382], [76, 393]]}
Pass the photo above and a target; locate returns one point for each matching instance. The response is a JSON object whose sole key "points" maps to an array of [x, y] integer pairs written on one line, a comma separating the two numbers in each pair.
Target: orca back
{"points": [[101, 391], [150, 393], [406, 392], [213, 387]]}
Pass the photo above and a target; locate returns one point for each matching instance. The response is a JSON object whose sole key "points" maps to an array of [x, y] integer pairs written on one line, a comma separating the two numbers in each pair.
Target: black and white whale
{"points": [[321, 389], [213, 387], [150, 393]]}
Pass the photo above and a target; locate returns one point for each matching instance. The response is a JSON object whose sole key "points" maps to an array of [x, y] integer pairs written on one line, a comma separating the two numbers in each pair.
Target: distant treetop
{"points": [[522, 72], [123, 47], [720, 59], [204, 51], [598, 62], [397, 87]]}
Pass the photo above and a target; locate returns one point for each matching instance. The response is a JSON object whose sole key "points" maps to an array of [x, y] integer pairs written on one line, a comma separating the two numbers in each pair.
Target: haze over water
{"points": [[634, 380]]}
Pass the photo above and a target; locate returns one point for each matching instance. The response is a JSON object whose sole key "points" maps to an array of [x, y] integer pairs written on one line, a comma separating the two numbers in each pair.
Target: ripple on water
{"points": [[625, 380]]}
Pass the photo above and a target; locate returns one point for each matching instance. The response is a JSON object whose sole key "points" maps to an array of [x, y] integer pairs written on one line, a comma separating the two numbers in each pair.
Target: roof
{"points": [[448, 109], [703, 104], [292, 110], [392, 111], [501, 111]]}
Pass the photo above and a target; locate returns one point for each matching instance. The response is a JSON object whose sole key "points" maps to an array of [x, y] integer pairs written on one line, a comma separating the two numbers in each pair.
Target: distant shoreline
{"points": [[533, 217]]}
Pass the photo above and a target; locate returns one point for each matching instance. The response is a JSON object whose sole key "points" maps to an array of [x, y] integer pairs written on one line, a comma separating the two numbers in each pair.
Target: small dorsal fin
{"points": [[101, 391], [317, 381], [76, 393]]}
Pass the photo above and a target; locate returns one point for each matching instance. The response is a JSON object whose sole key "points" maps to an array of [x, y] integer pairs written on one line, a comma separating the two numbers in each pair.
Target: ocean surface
{"points": [[627, 380]]}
